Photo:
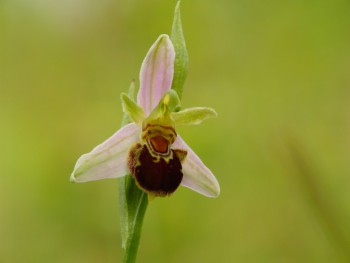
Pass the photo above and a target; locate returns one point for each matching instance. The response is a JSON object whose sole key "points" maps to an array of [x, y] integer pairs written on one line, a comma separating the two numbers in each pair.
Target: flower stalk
{"points": [[133, 202]]}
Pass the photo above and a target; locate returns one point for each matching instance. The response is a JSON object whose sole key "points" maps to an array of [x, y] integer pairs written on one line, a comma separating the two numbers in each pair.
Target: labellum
{"points": [[156, 167]]}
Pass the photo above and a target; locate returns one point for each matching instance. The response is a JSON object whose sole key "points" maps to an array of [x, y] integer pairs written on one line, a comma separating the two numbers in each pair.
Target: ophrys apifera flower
{"points": [[149, 147]]}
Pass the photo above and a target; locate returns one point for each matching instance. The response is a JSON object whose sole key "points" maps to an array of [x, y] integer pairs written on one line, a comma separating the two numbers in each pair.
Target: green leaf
{"points": [[193, 116], [181, 55], [133, 204]]}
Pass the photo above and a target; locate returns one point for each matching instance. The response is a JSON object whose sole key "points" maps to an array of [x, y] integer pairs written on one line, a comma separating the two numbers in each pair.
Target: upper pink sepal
{"points": [[156, 73]]}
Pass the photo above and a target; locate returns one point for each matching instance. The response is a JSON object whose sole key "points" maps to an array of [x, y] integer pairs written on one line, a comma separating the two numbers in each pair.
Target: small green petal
{"points": [[132, 109], [193, 116]]}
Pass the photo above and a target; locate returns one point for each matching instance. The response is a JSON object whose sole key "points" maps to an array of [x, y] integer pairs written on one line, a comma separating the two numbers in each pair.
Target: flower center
{"points": [[156, 167], [159, 138]]}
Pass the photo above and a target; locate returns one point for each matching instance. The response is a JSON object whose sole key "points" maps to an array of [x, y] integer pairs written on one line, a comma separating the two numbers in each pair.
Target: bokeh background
{"points": [[277, 72]]}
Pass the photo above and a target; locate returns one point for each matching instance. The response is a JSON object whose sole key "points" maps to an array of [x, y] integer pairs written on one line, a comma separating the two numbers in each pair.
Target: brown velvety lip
{"points": [[159, 178]]}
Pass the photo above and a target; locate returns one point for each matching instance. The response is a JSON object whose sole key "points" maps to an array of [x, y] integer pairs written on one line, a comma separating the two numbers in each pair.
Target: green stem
{"points": [[133, 201], [135, 230]]}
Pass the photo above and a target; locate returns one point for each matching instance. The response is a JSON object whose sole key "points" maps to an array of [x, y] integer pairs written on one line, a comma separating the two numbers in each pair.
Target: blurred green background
{"points": [[278, 74]]}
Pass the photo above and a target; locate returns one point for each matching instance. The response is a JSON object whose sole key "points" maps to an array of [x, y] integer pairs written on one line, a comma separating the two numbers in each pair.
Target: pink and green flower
{"points": [[149, 147]]}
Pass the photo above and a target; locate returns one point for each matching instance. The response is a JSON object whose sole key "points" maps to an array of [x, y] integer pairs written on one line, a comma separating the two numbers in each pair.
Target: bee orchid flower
{"points": [[149, 148]]}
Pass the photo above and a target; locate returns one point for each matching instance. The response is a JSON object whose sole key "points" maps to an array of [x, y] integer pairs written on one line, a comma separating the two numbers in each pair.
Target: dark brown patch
{"points": [[157, 177]]}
